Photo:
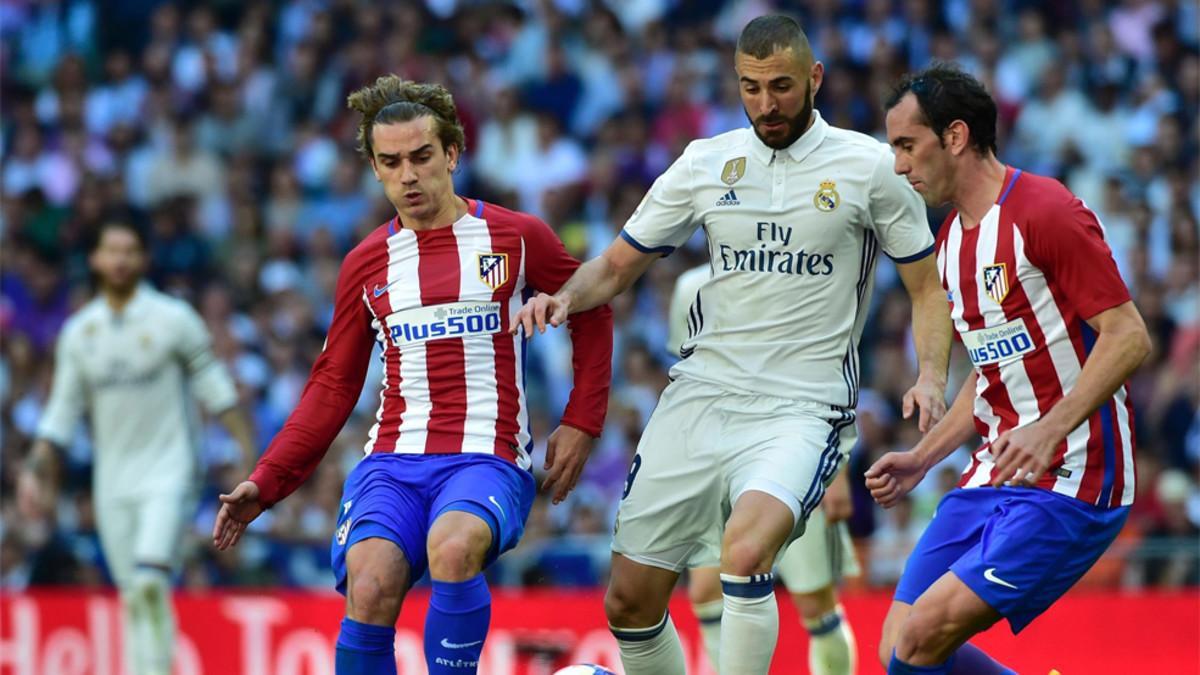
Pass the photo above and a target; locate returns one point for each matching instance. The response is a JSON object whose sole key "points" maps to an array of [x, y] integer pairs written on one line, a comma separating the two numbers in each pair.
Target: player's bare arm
{"points": [[896, 473], [38, 480], [595, 282], [1122, 343], [238, 425], [931, 332]]}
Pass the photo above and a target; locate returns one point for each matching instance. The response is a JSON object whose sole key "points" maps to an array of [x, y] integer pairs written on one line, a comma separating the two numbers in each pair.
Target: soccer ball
{"points": [[584, 669]]}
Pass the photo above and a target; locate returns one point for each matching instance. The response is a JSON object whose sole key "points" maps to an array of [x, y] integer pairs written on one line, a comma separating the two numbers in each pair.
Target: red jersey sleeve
{"points": [[1068, 246], [329, 396], [547, 268]]}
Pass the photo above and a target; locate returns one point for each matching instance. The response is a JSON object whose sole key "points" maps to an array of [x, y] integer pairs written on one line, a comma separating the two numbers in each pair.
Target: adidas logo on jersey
{"points": [[729, 199]]}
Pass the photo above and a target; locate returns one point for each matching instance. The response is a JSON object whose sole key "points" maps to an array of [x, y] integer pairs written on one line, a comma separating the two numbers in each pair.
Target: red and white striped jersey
{"points": [[439, 304], [1021, 285]]}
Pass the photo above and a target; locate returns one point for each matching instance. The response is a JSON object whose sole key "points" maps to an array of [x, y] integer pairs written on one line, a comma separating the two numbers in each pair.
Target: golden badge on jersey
{"points": [[493, 269], [733, 171], [827, 198], [995, 282]]}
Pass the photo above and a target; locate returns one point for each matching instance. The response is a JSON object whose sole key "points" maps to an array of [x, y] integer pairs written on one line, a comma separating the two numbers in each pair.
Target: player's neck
{"points": [[451, 211], [979, 183], [118, 298]]}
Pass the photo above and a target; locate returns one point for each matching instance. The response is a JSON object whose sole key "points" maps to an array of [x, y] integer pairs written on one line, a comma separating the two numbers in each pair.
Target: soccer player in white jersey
{"points": [[759, 415], [810, 567], [445, 484], [1053, 335], [131, 360]]}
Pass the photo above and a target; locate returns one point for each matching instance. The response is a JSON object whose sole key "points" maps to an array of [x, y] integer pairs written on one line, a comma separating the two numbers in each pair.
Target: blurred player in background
{"points": [[132, 359], [446, 482], [810, 567], [760, 413], [1049, 325]]}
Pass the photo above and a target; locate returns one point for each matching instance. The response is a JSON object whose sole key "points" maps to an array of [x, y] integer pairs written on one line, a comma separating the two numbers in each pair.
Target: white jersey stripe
{"points": [[404, 292], [479, 356]]}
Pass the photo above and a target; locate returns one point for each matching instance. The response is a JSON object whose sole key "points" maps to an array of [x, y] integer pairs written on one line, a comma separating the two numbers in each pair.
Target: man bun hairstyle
{"points": [[946, 93], [393, 99]]}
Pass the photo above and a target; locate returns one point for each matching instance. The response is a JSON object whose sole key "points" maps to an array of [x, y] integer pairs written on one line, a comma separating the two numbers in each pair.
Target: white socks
{"points": [[831, 649], [709, 614], [749, 624], [149, 622], [650, 651]]}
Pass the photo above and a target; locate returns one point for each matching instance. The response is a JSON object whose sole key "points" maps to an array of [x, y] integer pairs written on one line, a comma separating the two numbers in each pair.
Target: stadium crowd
{"points": [[221, 128]]}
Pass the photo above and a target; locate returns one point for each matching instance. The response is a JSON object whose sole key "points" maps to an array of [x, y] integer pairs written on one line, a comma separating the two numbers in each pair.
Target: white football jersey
{"points": [[134, 375], [793, 236]]}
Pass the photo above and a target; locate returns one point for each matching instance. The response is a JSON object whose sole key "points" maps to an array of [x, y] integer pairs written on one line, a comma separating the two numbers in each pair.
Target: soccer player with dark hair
{"points": [[445, 484], [760, 413], [134, 361], [1049, 325]]}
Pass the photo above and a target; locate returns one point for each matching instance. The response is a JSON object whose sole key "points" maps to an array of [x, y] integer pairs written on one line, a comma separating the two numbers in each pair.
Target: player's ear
{"points": [[816, 75], [957, 136], [452, 157]]}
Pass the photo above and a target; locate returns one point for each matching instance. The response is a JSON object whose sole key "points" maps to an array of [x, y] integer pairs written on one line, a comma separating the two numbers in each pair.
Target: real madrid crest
{"points": [[827, 198], [733, 171], [493, 269]]}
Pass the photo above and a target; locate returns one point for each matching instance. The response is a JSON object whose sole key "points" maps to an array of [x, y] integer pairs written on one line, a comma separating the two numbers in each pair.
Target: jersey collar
{"points": [[798, 150]]}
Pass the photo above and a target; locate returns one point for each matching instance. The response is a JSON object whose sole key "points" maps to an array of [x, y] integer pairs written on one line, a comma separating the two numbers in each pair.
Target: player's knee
{"points": [[373, 598], [704, 587], [149, 586], [627, 608], [926, 631], [456, 557], [744, 556]]}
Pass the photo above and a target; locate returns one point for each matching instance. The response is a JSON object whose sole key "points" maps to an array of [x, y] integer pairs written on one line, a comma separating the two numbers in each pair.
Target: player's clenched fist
{"points": [[540, 310], [893, 476]]}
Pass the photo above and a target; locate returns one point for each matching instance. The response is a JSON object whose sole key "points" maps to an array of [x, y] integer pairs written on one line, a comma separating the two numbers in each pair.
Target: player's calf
{"points": [[460, 607]]}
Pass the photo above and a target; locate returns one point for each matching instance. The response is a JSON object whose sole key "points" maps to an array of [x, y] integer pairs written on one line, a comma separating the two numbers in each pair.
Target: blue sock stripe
{"points": [[641, 634], [826, 624], [710, 621], [366, 638], [760, 585], [898, 667], [461, 597]]}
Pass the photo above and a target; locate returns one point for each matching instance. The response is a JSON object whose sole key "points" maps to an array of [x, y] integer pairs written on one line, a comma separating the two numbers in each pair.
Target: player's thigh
{"points": [[162, 519], [116, 522], [377, 578], [789, 450], [498, 492], [956, 528], [670, 512], [638, 594], [382, 499], [820, 558], [1035, 545]]}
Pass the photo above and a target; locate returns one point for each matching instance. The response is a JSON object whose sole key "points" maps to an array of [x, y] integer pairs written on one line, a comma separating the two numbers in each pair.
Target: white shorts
{"points": [[703, 448], [143, 531], [820, 558]]}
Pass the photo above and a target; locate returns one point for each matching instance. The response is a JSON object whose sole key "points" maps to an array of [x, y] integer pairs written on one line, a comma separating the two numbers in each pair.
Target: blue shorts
{"points": [[1019, 549], [397, 497]]}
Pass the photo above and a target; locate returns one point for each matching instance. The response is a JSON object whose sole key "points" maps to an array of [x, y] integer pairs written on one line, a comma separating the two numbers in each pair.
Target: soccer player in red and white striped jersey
{"points": [[445, 483], [1050, 328]]}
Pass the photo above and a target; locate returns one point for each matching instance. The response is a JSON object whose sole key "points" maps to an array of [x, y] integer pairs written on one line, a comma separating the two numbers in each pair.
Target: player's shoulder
{"points": [[374, 244], [855, 144], [1035, 195], [84, 320], [718, 145], [502, 219]]}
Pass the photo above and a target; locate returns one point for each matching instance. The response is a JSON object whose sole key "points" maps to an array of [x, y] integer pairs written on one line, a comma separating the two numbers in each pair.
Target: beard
{"points": [[794, 128]]}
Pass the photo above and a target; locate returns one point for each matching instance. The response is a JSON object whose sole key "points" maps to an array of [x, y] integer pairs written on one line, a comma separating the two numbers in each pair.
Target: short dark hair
{"points": [[946, 93], [393, 99], [117, 224], [768, 34]]}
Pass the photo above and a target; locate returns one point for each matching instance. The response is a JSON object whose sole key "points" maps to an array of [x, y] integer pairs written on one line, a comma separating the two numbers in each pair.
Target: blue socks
{"points": [[363, 649], [967, 660], [898, 667], [456, 625], [971, 660]]}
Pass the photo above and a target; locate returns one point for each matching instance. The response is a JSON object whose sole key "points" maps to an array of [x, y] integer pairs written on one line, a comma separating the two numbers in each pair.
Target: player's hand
{"points": [[837, 504], [566, 452], [540, 310], [895, 475], [930, 396], [35, 499], [238, 509], [1023, 455]]}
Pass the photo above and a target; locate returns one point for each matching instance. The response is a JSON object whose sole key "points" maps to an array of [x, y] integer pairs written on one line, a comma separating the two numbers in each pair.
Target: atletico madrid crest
{"points": [[995, 282], [493, 269]]}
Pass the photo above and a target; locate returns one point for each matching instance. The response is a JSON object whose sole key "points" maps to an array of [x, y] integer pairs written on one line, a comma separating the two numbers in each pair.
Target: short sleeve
{"points": [[210, 381], [1067, 244], [666, 218], [898, 214]]}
